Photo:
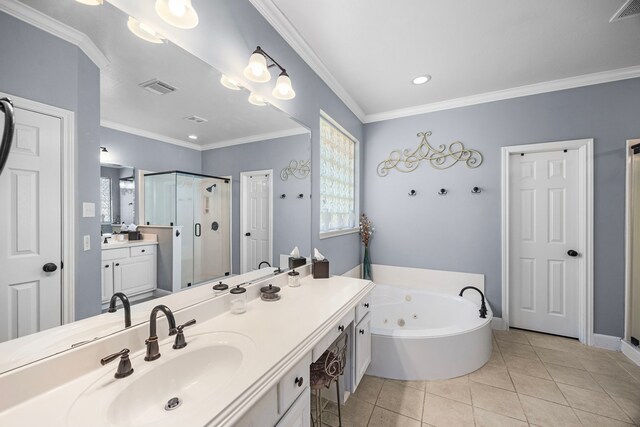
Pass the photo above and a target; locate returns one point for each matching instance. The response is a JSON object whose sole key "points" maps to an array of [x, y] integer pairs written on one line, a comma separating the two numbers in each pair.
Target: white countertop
{"points": [[127, 244], [283, 332]]}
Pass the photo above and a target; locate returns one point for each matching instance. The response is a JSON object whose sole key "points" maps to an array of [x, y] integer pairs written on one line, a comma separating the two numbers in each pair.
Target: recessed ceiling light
{"points": [[256, 99], [229, 83], [420, 80], [193, 137], [144, 32]]}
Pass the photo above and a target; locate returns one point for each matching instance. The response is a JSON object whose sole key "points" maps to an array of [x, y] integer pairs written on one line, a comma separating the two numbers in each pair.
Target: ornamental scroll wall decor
{"points": [[442, 157], [298, 169]]}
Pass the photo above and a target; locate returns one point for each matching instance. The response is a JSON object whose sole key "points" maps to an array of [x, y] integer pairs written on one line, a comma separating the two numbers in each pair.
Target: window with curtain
{"points": [[338, 182], [105, 200]]}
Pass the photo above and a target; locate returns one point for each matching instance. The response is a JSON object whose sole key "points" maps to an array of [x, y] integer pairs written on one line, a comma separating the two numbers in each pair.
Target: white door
{"points": [[543, 228], [30, 228], [256, 212]]}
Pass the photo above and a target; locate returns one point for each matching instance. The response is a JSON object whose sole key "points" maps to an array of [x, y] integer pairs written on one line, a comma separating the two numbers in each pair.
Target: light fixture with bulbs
{"points": [[258, 71], [144, 32], [420, 80], [91, 2], [179, 13], [230, 83], [256, 99]]}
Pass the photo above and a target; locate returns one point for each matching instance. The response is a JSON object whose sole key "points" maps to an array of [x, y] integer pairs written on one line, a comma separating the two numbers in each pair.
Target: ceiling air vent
{"points": [[629, 8], [196, 119], [158, 87]]}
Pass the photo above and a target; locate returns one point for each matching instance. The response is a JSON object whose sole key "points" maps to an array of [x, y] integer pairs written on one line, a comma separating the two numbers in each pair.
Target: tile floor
{"points": [[531, 379]]}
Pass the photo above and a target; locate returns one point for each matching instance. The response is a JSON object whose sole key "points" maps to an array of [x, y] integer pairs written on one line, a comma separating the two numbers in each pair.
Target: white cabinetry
{"points": [[299, 414], [129, 270], [361, 355]]}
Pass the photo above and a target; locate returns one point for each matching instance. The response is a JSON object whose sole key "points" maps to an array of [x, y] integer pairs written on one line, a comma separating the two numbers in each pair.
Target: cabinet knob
{"points": [[106, 266], [117, 264], [361, 331], [366, 305], [142, 250], [341, 328], [299, 381]]}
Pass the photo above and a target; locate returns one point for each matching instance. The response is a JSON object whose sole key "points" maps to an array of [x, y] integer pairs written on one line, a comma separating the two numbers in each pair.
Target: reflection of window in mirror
{"points": [[105, 200], [338, 179]]}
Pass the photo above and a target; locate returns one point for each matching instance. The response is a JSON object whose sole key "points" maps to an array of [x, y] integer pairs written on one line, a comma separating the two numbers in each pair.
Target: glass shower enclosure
{"points": [[201, 205]]}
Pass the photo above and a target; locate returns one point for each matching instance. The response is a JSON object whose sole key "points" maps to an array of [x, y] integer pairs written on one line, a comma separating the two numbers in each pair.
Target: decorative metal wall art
{"points": [[298, 169], [442, 157]]}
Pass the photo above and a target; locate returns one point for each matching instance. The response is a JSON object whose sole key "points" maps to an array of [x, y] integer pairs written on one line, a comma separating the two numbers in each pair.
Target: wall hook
{"points": [[283, 196], [476, 190], [413, 193], [300, 196], [442, 192]]}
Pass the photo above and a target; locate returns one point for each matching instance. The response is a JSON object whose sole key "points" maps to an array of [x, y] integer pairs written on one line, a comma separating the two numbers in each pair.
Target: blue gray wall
{"points": [[40, 67], [461, 231], [291, 225]]}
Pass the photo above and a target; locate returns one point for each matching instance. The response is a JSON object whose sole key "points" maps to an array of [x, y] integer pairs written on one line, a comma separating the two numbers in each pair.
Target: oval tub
{"points": [[422, 335]]}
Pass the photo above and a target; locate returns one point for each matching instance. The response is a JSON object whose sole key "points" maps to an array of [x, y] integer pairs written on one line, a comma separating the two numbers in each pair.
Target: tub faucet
{"points": [[483, 306], [153, 350], [125, 305]]}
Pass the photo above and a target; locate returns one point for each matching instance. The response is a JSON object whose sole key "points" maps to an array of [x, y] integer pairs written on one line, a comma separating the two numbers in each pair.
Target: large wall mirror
{"points": [[195, 184]]}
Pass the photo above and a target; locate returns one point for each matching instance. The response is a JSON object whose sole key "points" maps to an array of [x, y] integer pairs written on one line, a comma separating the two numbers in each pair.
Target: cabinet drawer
{"points": [[293, 383], [363, 307], [143, 250], [109, 254], [331, 336], [299, 415]]}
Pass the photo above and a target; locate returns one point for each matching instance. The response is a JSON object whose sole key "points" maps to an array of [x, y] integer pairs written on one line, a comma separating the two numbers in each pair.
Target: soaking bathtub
{"points": [[422, 335]]}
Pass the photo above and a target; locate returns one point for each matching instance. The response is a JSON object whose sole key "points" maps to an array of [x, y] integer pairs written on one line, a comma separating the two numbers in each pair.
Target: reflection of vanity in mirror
{"points": [[227, 209]]}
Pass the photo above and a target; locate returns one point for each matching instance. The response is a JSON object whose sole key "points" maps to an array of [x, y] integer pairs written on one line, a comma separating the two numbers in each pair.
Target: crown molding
{"points": [[46, 23], [150, 135], [290, 34], [517, 92], [256, 138]]}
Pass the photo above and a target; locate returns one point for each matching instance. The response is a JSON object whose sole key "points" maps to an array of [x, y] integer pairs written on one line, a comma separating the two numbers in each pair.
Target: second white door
{"points": [[256, 208], [543, 237]]}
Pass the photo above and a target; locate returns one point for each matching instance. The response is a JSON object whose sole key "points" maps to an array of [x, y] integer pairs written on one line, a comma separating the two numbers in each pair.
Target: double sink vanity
{"points": [[250, 369]]}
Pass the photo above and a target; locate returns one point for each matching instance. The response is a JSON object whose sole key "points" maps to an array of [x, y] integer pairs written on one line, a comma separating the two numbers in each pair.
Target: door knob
{"points": [[573, 253], [247, 234], [49, 267]]}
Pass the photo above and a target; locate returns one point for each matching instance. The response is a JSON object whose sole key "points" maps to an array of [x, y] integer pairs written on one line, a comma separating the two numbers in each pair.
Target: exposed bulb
{"points": [[257, 70]]}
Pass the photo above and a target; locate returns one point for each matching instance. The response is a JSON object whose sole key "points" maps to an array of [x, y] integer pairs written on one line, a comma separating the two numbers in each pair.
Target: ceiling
{"points": [[131, 61], [368, 51]]}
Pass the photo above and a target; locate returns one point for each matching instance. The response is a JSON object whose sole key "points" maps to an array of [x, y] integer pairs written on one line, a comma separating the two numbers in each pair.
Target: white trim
{"points": [[355, 272], [244, 213], [336, 233], [633, 353], [68, 156], [498, 324], [146, 134], [270, 11], [607, 342], [628, 238], [585, 155], [255, 138], [46, 23]]}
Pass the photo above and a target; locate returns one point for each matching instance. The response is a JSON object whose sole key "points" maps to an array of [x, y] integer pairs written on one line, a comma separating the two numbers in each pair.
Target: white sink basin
{"points": [[194, 375]]}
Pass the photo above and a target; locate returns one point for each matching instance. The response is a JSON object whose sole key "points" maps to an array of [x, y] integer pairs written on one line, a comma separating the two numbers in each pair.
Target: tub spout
{"points": [[483, 306]]}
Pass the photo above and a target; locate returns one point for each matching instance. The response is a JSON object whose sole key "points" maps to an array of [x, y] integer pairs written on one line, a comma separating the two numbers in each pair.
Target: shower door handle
{"points": [[6, 106], [198, 229]]}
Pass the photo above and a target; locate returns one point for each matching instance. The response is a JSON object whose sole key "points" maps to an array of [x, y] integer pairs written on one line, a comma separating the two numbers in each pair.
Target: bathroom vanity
{"points": [[129, 267], [247, 370]]}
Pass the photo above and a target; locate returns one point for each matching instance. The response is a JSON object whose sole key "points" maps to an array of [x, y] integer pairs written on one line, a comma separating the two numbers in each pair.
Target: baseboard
{"points": [[498, 324], [355, 272], [607, 342], [630, 351]]}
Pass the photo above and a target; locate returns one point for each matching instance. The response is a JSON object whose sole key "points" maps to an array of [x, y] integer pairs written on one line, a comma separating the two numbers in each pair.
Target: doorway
{"points": [[36, 219], [256, 219], [547, 211], [631, 340]]}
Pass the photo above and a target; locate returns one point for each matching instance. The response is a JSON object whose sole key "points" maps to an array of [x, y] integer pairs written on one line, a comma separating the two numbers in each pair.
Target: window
{"points": [[105, 200], [338, 183]]}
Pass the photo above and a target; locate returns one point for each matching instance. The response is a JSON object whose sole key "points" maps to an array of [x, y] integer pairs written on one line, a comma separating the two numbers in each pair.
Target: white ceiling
{"points": [[126, 106], [369, 50]]}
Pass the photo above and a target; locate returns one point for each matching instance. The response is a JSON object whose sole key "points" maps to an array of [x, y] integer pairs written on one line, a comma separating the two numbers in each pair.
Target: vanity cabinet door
{"points": [[363, 348], [134, 275], [299, 414], [107, 280]]}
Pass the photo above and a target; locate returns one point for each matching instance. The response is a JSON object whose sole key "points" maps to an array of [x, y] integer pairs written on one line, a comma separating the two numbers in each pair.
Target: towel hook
{"points": [[413, 193], [476, 190], [442, 192]]}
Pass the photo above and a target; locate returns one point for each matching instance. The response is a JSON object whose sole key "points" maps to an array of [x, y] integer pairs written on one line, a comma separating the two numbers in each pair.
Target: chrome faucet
{"points": [[153, 350], [483, 306], [125, 305]]}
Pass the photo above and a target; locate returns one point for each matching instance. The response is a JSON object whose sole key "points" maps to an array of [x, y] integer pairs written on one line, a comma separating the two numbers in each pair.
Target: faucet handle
{"points": [[124, 367], [180, 341]]}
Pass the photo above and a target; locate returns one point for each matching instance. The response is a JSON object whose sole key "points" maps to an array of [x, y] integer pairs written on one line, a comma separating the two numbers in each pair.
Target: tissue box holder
{"points": [[134, 235], [320, 269], [296, 262]]}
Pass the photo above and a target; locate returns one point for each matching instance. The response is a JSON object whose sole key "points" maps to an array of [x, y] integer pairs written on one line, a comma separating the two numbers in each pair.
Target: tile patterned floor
{"points": [[532, 379]]}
